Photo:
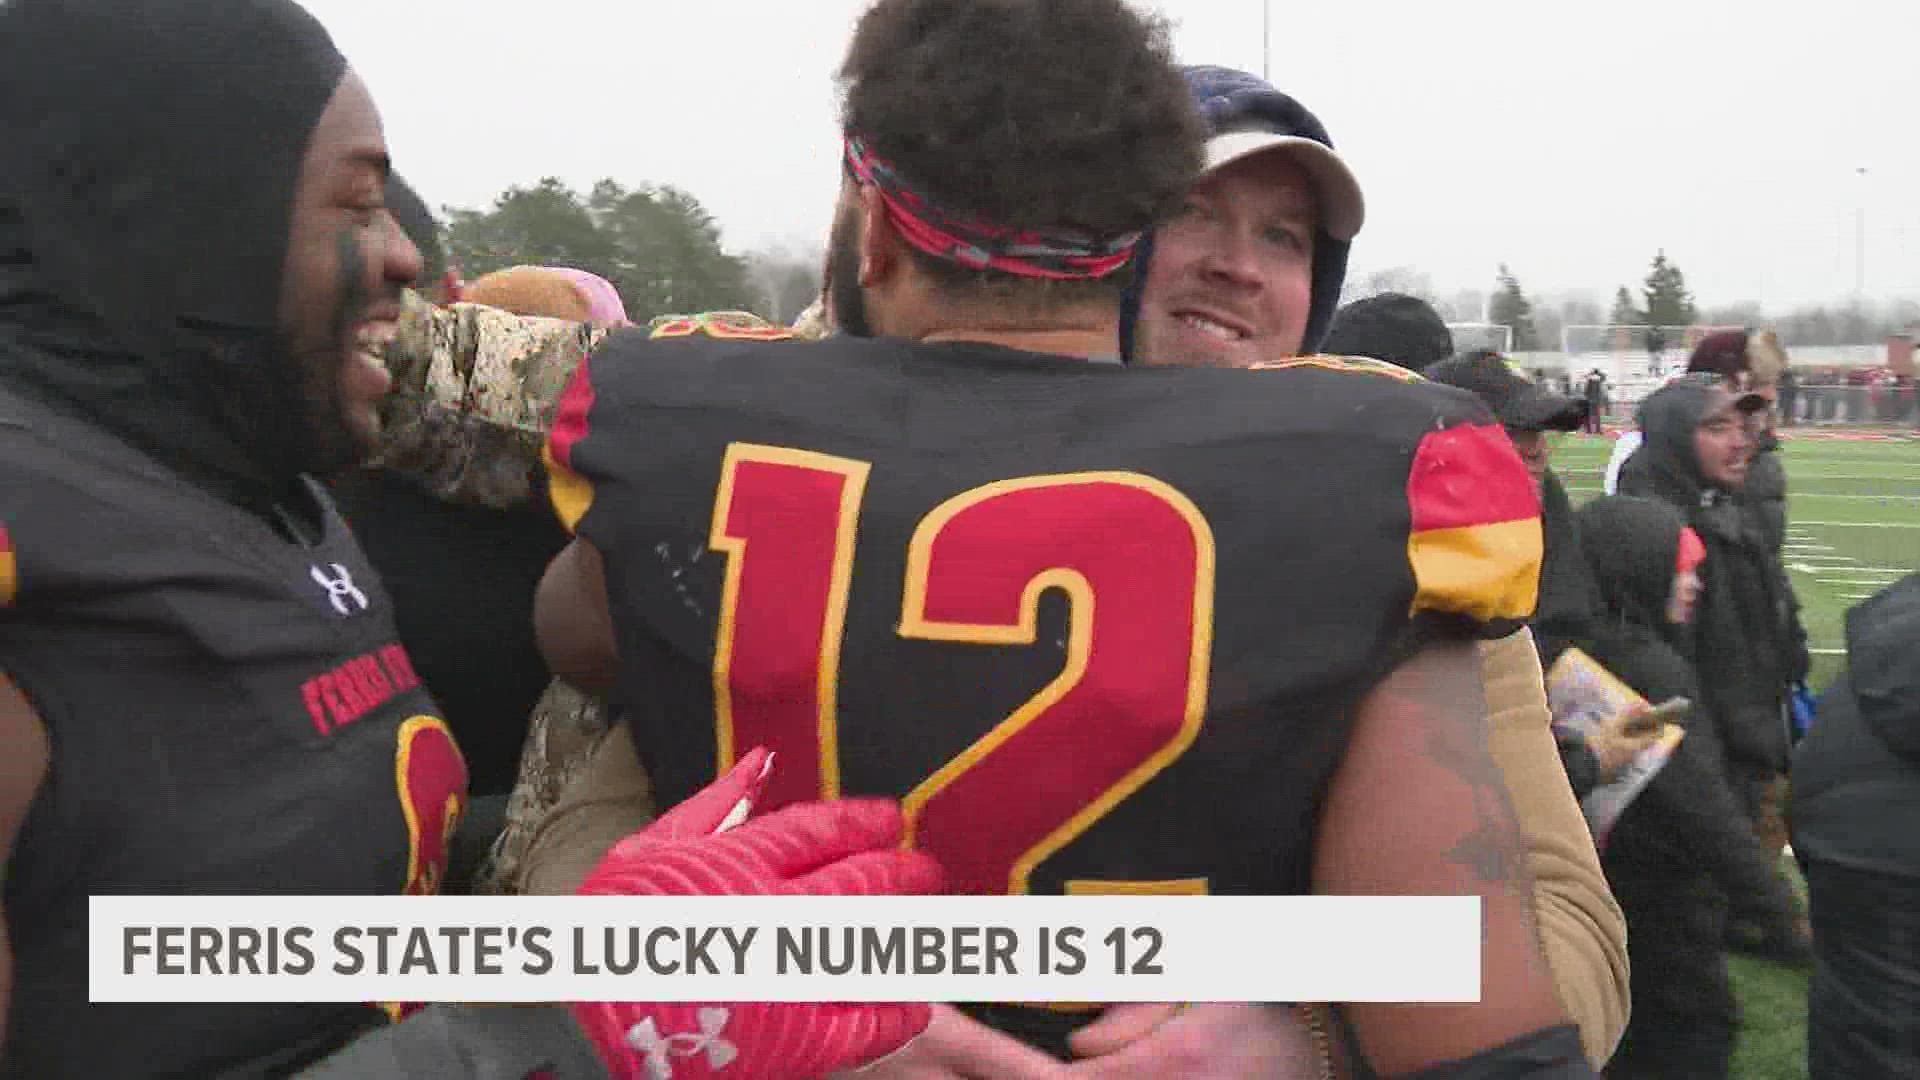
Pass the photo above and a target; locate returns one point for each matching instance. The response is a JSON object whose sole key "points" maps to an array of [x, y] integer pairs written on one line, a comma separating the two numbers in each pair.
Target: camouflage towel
{"points": [[567, 727], [474, 395], [475, 390]]}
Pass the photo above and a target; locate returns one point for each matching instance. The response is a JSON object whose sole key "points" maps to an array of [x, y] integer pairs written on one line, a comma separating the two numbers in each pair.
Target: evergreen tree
{"points": [[1668, 302], [1624, 313], [1510, 308]]}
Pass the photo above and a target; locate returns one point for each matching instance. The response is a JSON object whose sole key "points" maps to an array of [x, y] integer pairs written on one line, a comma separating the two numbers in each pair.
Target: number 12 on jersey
{"points": [[1134, 556]]}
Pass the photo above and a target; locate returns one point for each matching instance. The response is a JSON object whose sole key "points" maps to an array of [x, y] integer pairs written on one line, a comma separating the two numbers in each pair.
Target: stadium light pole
{"points": [[1860, 239], [1266, 39]]}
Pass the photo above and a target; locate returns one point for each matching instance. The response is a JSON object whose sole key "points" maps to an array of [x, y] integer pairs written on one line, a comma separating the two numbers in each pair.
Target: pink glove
{"points": [[845, 848]]}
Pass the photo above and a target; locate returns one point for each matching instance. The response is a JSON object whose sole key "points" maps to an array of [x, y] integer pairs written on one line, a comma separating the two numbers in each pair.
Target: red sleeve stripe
{"points": [[570, 493], [1469, 475], [571, 412]]}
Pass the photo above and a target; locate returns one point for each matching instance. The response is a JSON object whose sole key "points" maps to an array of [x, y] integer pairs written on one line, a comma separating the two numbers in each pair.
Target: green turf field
{"points": [[1855, 510]]}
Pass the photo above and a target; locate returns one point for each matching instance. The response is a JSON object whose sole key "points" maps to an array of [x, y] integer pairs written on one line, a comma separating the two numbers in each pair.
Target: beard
{"points": [[849, 300], [331, 439]]}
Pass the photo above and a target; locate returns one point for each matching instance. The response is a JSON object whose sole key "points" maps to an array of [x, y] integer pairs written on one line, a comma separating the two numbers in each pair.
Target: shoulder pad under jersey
{"points": [[1475, 541], [724, 325], [1359, 365]]}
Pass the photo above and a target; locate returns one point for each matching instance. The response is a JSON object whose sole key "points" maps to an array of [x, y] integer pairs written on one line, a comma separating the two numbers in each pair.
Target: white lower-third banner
{"points": [[687, 948]]}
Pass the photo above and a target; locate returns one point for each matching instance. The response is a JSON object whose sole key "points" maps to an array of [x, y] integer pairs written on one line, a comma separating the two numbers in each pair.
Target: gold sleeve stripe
{"points": [[1487, 572]]}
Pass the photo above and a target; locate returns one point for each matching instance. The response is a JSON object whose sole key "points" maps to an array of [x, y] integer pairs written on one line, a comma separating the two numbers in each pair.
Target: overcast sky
{"points": [[1569, 145]]}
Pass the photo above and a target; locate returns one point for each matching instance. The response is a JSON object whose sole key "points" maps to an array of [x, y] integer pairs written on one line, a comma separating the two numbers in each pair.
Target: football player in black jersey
{"points": [[201, 689], [1176, 631]]}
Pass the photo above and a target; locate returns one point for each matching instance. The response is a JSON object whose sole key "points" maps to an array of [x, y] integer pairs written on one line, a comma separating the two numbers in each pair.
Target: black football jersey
{"points": [[229, 712], [1101, 629]]}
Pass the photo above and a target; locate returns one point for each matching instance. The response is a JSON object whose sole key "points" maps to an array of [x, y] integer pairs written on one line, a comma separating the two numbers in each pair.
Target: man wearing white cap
{"points": [[1256, 257], [1259, 249]]}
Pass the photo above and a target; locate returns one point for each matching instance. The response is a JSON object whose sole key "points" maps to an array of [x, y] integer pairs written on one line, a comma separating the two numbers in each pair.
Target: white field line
{"points": [[1797, 497]]}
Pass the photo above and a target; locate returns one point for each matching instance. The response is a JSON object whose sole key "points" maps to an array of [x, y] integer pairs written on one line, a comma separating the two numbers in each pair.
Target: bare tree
{"points": [[1394, 279], [1581, 309], [1739, 313], [1466, 306], [784, 282]]}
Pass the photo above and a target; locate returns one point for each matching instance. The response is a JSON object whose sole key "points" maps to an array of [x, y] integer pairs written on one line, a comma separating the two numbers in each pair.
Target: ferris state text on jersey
{"points": [[230, 712], [1100, 629]]}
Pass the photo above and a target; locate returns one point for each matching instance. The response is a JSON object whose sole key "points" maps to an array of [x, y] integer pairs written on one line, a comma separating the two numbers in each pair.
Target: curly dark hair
{"points": [[1032, 114]]}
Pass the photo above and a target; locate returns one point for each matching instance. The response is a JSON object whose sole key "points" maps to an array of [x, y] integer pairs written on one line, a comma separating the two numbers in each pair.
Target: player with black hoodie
{"points": [[201, 688]]}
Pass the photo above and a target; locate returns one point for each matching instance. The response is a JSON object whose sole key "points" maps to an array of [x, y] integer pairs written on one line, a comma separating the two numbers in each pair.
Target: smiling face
{"points": [[1721, 443], [1236, 265], [347, 262]]}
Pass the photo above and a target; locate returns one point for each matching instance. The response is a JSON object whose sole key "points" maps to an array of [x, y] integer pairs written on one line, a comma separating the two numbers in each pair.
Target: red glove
{"points": [[845, 848]]}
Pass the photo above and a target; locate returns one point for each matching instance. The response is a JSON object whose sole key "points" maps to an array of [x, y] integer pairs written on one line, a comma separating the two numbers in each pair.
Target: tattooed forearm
{"points": [[1453, 709]]}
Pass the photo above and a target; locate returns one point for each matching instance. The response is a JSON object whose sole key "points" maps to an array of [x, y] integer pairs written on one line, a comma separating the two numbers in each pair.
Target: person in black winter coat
{"points": [[1753, 363], [1855, 803], [1682, 846], [1695, 459]]}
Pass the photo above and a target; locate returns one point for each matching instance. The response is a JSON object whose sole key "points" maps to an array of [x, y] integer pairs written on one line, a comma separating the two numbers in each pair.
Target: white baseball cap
{"points": [[1342, 209]]}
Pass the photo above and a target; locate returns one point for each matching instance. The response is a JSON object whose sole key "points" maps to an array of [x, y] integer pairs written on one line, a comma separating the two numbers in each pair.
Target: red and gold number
{"points": [[1134, 689], [431, 777], [1135, 557], [775, 668]]}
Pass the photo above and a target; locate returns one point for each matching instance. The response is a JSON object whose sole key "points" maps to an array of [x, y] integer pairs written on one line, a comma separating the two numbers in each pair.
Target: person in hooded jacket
{"points": [[1695, 458], [1403, 330], [201, 686], [1529, 412], [1754, 363], [1682, 846], [1856, 796], [1568, 603], [1750, 363]]}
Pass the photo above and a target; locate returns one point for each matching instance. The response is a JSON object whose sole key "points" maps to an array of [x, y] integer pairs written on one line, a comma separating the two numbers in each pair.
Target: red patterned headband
{"points": [[980, 245]]}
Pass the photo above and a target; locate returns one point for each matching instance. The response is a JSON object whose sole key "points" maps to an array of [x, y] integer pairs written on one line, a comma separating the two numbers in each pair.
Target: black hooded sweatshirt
{"points": [[144, 221], [1564, 616], [1741, 643], [1687, 823], [1855, 802]]}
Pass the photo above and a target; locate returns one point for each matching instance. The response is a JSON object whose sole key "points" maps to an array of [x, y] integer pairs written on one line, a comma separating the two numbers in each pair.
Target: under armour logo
{"points": [[659, 1051], [340, 588]]}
